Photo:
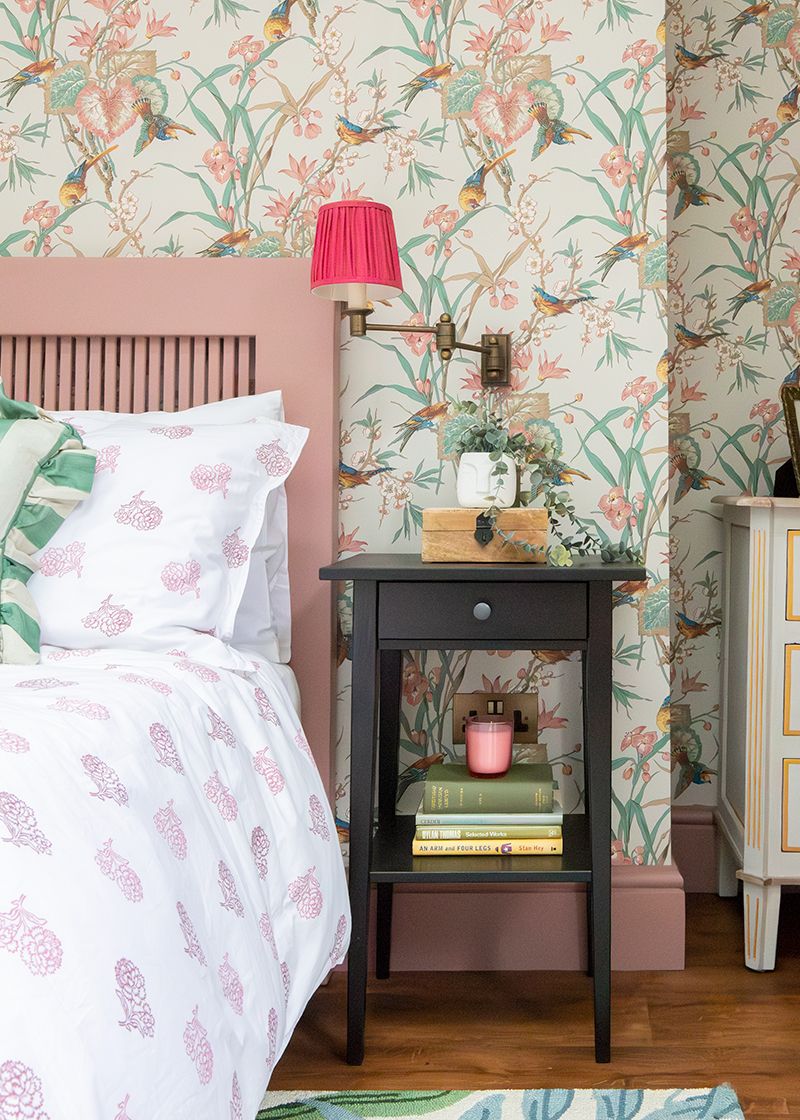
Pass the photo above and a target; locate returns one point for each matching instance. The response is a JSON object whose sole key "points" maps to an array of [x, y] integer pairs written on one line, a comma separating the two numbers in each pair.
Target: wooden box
{"points": [[448, 535]]}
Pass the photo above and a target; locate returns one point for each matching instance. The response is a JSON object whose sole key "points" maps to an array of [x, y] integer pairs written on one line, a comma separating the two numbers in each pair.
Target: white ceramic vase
{"points": [[478, 485]]}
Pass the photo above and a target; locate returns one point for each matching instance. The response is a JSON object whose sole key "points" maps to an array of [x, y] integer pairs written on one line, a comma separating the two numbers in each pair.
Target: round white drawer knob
{"points": [[481, 611]]}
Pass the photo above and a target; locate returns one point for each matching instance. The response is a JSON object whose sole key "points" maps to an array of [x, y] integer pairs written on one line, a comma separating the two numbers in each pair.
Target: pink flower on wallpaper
{"points": [[220, 795], [305, 893], [20, 1093], [641, 390], [416, 341], [267, 932], [272, 1033], [235, 550], [198, 1048], [641, 51], [286, 978], [22, 825], [503, 117], [149, 682], [230, 895], [89, 709], [265, 709], [111, 619], [63, 561], [107, 111], [13, 743], [39, 684], [220, 731], [132, 994], [108, 458], [221, 162], [236, 1099], [337, 951], [642, 741], [27, 936], [109, 787], [745, 224], [269, 771], [232, 987], [140, 513], [193, 947], [119, 871], [42, 214], [183, 579], [319, 821], [172, 431], [615, 507], [274, 459], [214, 480], [259, 846], [168, 825], [423, 8], [617, 168]]}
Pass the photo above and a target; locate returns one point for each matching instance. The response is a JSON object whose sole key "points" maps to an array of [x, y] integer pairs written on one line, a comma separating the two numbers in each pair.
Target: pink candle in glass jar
{"points": [[489, 743]]}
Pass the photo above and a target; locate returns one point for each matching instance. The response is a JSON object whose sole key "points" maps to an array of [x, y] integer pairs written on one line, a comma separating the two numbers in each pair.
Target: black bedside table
{"points": [[400, 603]]}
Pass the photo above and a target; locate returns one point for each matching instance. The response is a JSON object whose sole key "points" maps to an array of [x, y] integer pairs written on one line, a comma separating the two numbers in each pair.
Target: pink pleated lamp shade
{"points": [[355, 244]]}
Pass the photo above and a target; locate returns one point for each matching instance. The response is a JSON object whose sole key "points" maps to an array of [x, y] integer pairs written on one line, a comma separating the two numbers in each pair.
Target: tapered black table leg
{"points": [[587, 808], [597, 748], [362, 797], [391, 682]]}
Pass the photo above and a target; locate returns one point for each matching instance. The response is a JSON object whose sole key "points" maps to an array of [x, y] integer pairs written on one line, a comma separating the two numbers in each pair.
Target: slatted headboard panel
{"points": [[140, 335]]}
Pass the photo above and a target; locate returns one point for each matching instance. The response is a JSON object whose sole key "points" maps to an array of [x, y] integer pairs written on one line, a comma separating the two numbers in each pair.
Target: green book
{"points": [[526, 788]]}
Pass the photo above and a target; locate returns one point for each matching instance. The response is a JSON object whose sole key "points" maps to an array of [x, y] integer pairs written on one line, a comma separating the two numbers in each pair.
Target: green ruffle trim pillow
{"points": [[44, 472]]}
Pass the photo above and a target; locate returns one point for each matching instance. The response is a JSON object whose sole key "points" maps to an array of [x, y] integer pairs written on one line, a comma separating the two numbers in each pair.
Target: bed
{"points": [[171, 891]]}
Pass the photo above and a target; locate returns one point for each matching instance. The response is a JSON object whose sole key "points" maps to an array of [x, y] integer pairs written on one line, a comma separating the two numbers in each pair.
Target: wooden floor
{"points": [[716, 1021]]}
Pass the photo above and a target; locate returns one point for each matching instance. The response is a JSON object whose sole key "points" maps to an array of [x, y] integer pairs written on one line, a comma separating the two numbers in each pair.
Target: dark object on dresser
{"points": [[785, 482]]}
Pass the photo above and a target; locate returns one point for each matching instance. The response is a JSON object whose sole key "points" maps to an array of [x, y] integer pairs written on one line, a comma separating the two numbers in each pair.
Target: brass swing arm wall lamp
{"points": [[355, 247]]}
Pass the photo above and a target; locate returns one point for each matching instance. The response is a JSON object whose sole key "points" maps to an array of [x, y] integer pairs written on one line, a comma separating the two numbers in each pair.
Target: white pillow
{"points": [[264, 620], [160, 557]]}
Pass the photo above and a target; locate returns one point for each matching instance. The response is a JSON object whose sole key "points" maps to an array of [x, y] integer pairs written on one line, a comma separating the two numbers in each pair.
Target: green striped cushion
{"points": [[44, 472]]}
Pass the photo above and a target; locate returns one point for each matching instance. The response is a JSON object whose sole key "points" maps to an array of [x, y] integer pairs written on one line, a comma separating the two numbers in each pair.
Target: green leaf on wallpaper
{"points": [[267, 246], [154, 89], [654, 611], [779, 304], [64, 86], [460, 91], [653, 265], [453, 430], [778, 25]]}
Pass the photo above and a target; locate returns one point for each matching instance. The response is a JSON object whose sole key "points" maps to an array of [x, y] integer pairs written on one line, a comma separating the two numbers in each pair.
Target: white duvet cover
{"points": [[171, 889]]}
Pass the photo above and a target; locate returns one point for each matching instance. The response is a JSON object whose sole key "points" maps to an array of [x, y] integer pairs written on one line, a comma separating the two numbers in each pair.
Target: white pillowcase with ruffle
{"points": [[159, 556]]}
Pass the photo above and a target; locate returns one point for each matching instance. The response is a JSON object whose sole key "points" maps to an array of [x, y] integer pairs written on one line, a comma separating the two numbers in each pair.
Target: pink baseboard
{"points": [[540, 926], [694, 847]]}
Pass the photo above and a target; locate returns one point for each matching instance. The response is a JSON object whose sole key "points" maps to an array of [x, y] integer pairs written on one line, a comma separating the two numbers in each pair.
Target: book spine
{"points": [[512, 832], [552, 847], [487, 820], [482, 797]]}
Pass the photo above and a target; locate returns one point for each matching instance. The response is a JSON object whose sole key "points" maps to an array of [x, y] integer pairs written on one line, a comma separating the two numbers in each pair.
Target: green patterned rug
{"points": [[508, 1104]]}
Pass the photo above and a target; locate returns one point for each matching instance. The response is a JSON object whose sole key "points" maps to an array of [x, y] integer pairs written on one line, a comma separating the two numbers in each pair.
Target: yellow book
{"points": [[533, 847]]}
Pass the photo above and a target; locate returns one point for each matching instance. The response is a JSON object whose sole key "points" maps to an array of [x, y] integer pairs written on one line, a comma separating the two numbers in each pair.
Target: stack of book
{"points": [[516, 815]]}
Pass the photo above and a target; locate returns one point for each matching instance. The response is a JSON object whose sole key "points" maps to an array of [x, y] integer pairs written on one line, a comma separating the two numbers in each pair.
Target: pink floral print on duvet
{"points": [[171, 892]]}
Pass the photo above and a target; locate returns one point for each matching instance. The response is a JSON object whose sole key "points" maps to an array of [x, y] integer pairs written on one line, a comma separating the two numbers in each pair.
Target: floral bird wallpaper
{"points": [[522, 145]]}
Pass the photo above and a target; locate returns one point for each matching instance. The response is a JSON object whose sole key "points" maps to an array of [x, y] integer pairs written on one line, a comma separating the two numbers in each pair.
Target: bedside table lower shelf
{"points": [[392, 861]]}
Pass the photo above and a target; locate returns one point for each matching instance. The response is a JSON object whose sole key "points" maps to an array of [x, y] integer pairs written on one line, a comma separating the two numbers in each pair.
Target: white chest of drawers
{"points": [[758, 815]]}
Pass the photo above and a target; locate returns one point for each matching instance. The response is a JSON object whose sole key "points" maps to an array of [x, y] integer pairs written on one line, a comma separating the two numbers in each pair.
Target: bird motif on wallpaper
{"points": [[691, 61], [427, 417], [558, 473], [355, 134], [787, 109], [551, 656], [73, 189], [793, 377], [342, 830], [693, 341], [691, 628], [663, 367], [155, 126], [691, 478], [691, 773], [31, 75], [550, 305], [750, 294], [752, 14], [664, 715], [473, 193], [428, 79], [278, 24], [628, 592], [691, 194], [416, 772], [624, 250], [552, 130], [352, 476], [229, 244]]}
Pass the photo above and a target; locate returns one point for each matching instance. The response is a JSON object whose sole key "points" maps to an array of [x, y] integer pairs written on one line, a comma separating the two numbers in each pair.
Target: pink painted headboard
{"points": [[135, 335]]}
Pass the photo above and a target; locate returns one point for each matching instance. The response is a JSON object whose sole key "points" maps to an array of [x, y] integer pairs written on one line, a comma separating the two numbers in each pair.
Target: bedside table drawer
{"points": [[424, 611]]}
